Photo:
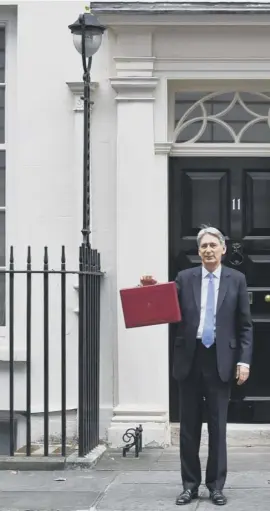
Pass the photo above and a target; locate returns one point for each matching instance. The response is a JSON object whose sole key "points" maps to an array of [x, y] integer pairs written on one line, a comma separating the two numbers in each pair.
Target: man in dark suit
{"points": [[213, 346]]}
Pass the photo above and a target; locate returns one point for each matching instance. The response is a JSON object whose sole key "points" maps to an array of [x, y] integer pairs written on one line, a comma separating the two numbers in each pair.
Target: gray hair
{"points": [[207, 229]]}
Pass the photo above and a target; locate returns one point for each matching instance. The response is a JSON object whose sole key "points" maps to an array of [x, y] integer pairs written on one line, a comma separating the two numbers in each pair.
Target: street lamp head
{"points": [[87, 25]]}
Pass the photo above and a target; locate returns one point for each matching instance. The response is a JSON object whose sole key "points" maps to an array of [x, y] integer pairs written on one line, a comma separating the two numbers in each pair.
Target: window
{"points": [[222, 117]]}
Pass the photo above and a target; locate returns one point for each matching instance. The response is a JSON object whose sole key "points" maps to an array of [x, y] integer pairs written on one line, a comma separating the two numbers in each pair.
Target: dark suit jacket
{"points": [[234, 336]]}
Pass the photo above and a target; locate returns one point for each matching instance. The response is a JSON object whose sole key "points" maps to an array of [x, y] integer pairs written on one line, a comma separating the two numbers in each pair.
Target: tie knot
{"points": [[210, 276]]}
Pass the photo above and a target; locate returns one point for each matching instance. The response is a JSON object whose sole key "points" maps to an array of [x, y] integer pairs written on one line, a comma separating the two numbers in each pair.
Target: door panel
{"points": [[190, 191], [232, 194], [195, 199], [256, 203], [256, 225]]}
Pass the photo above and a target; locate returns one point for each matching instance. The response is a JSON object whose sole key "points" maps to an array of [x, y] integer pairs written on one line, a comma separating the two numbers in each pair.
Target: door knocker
{"points": [[237, 257]]}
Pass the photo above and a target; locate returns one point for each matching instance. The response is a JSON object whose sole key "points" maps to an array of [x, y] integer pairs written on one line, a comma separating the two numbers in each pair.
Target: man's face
{"points": [[211, 251]]}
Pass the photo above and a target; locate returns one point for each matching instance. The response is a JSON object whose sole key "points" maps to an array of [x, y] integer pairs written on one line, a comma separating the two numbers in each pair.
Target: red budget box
{"points": [[150, 305]]}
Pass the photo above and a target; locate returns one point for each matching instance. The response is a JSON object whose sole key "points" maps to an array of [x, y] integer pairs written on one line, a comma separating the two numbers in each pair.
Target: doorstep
{"points": [[21, 462], [238, 435]]}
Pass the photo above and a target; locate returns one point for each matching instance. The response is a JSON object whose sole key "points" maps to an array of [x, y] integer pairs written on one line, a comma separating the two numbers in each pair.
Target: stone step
{"points": [[237, 435], [53, 450]]}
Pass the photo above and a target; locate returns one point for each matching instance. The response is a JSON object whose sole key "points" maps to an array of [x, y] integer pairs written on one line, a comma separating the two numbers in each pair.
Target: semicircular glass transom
{"points": [[222, 117]]}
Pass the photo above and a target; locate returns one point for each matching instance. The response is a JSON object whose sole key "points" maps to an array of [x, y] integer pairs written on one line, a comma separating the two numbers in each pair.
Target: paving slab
{"points": [[148, 483], [64, 481], [248, 462], [113, 460], [249, 480], [240, 500], [234, 480], [147, 497], [47, 501], [149, 477], [172, 453]]}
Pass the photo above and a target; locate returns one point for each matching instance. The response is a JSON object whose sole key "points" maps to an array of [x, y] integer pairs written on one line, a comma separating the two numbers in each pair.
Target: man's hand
{"points": [[242, 374], [147, 280]]}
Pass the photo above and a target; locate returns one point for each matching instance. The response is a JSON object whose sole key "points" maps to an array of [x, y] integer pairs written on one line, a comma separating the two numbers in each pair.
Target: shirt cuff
{"points": [[242, 364]]}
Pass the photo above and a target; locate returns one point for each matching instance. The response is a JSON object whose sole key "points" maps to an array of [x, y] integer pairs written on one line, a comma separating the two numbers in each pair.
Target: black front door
{"points": [[232, 194]]}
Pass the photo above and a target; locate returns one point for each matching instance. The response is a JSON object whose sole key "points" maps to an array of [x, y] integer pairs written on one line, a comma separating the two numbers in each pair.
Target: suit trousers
{"points": [[203, 383]]}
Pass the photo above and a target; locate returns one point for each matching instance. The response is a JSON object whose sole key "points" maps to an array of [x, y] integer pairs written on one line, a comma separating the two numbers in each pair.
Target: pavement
{"points": [[148, 483]]}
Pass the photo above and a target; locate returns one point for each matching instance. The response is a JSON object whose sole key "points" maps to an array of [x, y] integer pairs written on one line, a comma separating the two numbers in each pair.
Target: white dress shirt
{"points": [[204, 291]]}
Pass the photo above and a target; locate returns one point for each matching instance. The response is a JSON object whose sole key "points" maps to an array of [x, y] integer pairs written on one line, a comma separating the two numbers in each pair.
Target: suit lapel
{"points": [[197, 286], [223, 286]]}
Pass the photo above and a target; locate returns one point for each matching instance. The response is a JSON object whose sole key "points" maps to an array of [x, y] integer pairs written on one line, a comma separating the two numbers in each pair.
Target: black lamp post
{"points": [[87, 36]]}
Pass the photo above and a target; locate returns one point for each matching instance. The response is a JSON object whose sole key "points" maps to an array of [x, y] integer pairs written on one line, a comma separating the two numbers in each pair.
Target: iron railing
{"points": [[89, 348], [89, 276]]}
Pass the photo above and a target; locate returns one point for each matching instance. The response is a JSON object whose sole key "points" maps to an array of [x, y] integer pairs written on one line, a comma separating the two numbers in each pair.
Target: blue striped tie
{"points": [[208, 335]]}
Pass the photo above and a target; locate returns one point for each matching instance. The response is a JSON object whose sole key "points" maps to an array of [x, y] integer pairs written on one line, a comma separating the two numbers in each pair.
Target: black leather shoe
{"points": [[218, 498], [186, 497]]}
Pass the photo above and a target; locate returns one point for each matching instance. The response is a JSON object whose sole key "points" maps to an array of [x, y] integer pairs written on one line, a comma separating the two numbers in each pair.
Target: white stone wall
{"points": [[152, 60], [132, 114], [44, 191]]}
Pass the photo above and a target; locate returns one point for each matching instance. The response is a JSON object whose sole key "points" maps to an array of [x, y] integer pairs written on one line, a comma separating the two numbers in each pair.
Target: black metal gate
{"points": [[89, 276]]}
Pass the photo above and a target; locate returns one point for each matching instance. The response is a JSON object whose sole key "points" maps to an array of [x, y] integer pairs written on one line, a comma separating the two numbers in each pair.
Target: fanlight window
{"points": [[216, 117]]}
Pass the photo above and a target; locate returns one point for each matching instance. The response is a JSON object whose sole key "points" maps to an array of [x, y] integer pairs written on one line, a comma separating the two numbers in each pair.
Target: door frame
{"points": [[168, 148], [223, 82], [215, 150], [172, 383]]}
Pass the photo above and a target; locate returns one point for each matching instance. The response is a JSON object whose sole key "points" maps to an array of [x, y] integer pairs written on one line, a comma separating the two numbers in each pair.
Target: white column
{"points": [[142, 244]]}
